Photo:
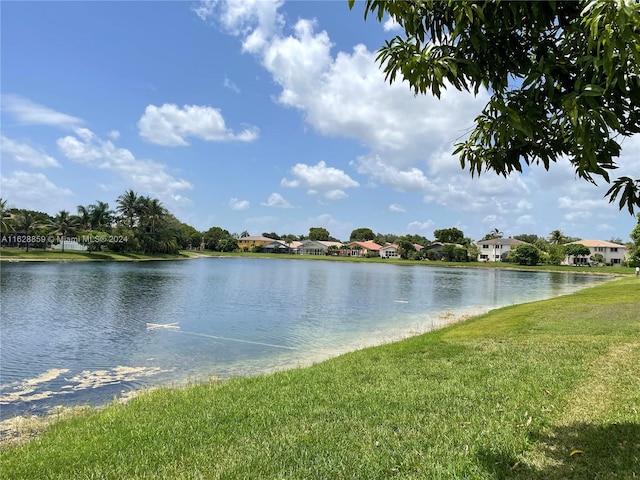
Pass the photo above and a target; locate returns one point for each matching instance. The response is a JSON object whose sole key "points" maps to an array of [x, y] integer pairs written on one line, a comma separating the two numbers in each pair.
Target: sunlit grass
{"points": [[39, 254], [546, 390]]}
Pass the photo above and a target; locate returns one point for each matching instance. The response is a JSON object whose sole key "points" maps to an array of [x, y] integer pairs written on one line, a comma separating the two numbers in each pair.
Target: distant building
{"points": [[496, 249], [246, 244], [613, 253]]}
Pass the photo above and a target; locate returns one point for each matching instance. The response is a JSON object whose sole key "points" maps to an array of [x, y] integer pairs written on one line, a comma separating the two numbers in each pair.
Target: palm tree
{"points": [[557, 237], [4, 214], [62, 223], [84, 213], [128, 206], [25, 222], [101, 216], [155, 213]]}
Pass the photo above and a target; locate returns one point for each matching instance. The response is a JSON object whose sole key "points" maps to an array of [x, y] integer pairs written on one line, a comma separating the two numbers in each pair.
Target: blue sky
{"points": [[259, 116]]}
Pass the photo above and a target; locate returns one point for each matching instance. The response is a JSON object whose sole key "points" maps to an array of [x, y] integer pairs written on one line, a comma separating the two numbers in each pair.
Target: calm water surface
{"points": [[78, 333]]}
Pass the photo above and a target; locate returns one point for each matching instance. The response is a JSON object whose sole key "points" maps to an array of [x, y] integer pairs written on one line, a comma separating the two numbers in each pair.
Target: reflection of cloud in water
{"points": [[33, 389]]}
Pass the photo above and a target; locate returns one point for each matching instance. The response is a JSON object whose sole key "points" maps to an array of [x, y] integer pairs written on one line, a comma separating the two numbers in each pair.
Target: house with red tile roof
{"points": [[363, 249]]}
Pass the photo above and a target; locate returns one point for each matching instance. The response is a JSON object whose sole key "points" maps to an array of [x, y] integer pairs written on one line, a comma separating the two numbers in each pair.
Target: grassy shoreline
{"points": [[548, 389]]}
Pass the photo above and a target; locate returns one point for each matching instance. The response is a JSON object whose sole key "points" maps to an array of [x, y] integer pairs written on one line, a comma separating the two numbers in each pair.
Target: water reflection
{"points": [[78, 332]]}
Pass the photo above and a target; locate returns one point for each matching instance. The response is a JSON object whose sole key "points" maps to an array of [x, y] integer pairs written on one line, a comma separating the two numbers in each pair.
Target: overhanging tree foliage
{"points": [[564, 78]]}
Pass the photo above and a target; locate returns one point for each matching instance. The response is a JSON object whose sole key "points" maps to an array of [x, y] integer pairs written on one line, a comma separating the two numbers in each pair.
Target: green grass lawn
{"points": [[545, 390], [9, 254]]}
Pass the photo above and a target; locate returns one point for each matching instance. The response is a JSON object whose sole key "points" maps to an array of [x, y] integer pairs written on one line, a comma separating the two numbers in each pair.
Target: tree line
{"points": [[142, 224]]}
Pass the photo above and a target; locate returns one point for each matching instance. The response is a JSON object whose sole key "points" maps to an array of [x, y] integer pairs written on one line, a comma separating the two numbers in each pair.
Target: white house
{"points": [[613, 253], [496, 249], [389, 251]]}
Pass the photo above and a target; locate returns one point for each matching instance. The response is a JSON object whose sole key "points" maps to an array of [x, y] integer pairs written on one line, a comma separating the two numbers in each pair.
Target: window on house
{"points": [[485, 246], [614, 249]]}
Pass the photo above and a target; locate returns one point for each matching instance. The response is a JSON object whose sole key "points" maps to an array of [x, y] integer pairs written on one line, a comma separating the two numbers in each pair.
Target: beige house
{"points": [[496, 249], [613, 253]]}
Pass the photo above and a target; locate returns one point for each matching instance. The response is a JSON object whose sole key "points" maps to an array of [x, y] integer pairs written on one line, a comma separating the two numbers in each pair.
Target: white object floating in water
{"points": [[401, 301], [170, 326]]}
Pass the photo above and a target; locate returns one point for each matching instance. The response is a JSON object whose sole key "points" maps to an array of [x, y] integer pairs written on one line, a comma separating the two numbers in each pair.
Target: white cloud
{"points": [[230, 85], [276, 200], [320, 177], [335, 195], [114, 134], [34, 191], [170, 125], [21, 152], [146, 176], [29, 113], [408, 180], [236, 204], [395, 207], [420, 226], [390, 24]]}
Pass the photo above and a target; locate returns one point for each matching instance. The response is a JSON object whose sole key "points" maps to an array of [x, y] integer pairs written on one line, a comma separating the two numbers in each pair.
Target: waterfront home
{"points": [[496, 249], [363, 249], [246, 244], [612, 253]]}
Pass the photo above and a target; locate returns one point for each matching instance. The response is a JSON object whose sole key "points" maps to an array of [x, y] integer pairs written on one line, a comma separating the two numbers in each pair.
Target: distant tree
{"points": [[129, 206], [557, 237], [449, 235], [527, 237], [5, 216], [576, 250], [634, 251], [493, 234], [244, 234], [472, 252], [213, 236], [617, 240], [272, 235], [405, 247], [26, 222], [597, 258], [101, 216], [525, 254], [84, 213], [419, 239], [190, 238], [362, 235], [555, 254], [563, 77], [319, 233], [64, 223], [228, 244]]}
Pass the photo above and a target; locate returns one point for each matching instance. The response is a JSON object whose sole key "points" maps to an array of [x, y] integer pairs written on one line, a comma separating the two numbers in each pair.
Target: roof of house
{"points": [[255, 238], [369, 245], [597, 243], [500, 241]]}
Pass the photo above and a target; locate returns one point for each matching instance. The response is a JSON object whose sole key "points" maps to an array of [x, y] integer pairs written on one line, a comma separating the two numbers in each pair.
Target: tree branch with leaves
{"points": [[564, 78]]}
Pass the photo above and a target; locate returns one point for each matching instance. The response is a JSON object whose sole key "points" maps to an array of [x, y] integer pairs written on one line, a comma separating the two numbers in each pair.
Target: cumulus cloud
{"points": [[34, 191], [390, 24], [146, 176], [30, 113], [170, 125], [236, 204], [420, 226], [320, 177], [24, 153], [395, 207], [276, 200]]}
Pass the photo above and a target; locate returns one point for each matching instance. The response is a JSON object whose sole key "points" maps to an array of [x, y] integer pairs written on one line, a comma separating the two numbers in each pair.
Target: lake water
{"points": [[79, 333]]}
